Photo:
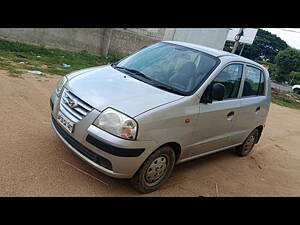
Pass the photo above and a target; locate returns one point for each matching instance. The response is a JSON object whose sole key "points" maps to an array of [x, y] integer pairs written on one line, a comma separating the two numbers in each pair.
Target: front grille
{"points": [[82, 149], [79, 109]]}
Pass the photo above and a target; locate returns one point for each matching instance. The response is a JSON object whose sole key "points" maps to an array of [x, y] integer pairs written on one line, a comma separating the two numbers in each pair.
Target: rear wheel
{"points": [[155, 170], [248, 144]]}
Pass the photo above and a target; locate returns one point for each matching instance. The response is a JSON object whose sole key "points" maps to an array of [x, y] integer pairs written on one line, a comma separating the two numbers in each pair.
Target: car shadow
{"points": [[122, 187]]}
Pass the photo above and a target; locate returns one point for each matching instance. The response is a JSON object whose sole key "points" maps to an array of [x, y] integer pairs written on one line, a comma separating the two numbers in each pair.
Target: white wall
{"points": [[210, 37], [99, 41], [103, 41]]}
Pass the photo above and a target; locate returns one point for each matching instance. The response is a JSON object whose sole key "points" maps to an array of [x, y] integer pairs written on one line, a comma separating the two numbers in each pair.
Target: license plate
{"points": [[65, 122]]}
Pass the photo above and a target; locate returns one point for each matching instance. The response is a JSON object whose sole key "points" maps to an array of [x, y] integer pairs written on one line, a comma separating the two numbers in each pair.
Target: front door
{"points": [[216, 120]]}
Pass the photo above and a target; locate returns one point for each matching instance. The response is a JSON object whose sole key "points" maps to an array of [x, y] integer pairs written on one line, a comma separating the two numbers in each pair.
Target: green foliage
{"points": [[265, 47], [288, 60], [287, 67], [285, 102], [275, 74], [36, 56], [286, 99], [264, 63], [294, 78]]}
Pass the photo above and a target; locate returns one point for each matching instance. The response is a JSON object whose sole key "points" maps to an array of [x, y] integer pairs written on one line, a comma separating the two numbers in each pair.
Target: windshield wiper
{"points": [[168, 88], [154, 83], [132, 71], [138, 73]]}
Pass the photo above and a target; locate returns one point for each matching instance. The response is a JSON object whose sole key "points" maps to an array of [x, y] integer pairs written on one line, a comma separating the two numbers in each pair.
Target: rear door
{"points": [[254, 106]]}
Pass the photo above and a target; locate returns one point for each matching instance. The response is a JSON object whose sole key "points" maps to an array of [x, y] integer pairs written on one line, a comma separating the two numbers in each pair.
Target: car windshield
{"points": [[169, 66]]}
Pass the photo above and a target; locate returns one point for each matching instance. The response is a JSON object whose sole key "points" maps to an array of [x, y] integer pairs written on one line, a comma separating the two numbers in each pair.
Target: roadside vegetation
{"points": [[282, 61], [286, 69], [265, 47], [286, 99], [15, 57]]}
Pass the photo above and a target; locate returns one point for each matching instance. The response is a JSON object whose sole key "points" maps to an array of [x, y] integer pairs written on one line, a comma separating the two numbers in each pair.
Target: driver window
{"points": [[230, 77]]}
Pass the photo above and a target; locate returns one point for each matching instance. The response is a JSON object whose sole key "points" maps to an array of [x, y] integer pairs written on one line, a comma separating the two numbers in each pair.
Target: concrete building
{"points": [[118, 41], [210, 37]]}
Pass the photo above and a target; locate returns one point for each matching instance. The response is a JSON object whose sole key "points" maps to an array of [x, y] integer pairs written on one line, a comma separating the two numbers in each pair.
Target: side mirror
{"points": [[214, 91], [218, 91]]}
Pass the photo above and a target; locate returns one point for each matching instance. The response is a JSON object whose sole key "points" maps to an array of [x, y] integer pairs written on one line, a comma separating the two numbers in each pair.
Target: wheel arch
{"points": [[296, 89], [175, 146], [260, 129]]}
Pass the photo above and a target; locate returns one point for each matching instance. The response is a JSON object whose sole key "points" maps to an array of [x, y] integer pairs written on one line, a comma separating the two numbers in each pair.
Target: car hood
{"points": [[104, 86]]}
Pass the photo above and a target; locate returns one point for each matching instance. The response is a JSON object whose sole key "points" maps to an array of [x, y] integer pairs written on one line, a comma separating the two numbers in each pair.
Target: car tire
{"points": [[296, 90], [155, 170], [247, 146]]}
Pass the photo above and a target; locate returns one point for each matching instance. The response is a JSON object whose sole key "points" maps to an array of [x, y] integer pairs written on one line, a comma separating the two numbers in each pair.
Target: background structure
{"points": [[108, 41]]}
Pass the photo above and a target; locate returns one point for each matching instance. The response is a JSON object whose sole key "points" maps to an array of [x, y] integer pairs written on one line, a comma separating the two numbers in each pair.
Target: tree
{"points": [[295, 78], [265, 47], [288, 60], [288, 66]]}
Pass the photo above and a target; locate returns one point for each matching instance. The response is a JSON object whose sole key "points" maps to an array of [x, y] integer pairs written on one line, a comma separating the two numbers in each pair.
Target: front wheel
{"points": [[248, 144], [155, 170]]}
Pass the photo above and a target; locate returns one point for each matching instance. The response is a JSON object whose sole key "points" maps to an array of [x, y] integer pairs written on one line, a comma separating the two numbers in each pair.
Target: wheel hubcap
{"points": [[249, 143], [156, 170]]}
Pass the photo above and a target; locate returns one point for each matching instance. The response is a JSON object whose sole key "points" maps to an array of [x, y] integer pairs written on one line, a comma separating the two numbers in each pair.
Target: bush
{"points": [[288, 60], [275, 74], [294, 78]]}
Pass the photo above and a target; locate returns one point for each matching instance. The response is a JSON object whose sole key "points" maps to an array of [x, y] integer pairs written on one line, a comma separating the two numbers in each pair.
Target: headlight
{"points": [[60, 85], [117, 123]]}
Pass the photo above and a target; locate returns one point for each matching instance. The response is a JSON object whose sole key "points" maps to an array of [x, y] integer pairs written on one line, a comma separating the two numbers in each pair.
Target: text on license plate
{"points": [[65, 122]]}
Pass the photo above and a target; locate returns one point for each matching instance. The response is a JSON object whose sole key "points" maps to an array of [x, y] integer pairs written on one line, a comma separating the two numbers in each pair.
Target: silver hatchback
{"points": [[165, 104]]}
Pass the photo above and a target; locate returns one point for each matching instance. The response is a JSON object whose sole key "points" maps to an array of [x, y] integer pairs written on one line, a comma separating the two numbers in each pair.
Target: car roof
{"points": [[214, 52]]}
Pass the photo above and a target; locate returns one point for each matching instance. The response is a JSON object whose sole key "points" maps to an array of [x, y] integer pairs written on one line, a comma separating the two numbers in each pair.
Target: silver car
{"points": [[166, 104]]}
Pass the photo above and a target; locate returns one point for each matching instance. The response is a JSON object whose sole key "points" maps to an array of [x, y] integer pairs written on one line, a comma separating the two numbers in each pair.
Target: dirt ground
{"points": [[35, 162]]}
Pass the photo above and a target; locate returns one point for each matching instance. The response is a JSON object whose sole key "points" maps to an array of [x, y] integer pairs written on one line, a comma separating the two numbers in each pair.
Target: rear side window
{"points": [[230, 77], [254, 82]]}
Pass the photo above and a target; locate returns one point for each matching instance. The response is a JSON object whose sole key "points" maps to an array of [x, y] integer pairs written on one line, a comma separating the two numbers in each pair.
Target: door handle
{"points": [[257, 109], [230, 115]]}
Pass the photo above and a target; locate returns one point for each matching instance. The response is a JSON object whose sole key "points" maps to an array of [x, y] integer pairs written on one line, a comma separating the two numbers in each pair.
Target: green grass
{"points": [[14, 73], [286, 99], [13, 53], [12, 70], [286, 102]]}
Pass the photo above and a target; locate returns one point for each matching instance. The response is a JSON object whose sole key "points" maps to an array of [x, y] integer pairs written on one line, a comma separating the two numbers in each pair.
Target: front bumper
{"points": [[107, 153]]}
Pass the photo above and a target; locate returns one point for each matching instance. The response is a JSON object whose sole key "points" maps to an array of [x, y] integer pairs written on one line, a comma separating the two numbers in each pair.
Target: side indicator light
{"points": [[187, 121]]}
